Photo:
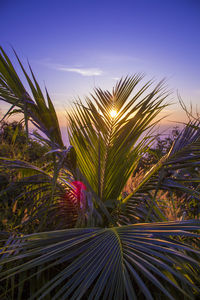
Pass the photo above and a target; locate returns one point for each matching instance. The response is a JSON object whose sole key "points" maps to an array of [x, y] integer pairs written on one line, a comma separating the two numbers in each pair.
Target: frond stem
{"points": [[106, 156]]}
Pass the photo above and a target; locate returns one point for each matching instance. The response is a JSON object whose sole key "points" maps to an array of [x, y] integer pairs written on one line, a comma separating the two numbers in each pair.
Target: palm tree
{"points": [[82, 239]]}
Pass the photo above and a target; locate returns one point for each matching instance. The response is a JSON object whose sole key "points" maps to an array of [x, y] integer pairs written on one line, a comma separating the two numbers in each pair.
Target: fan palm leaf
{"points": [[110, 263]]}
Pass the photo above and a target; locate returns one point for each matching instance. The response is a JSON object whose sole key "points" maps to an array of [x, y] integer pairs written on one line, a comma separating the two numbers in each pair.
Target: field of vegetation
{"points": [[116, 215]]}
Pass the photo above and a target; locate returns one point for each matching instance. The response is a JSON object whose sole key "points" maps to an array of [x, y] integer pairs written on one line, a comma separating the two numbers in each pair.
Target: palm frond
{"points": [[110, 263], [28, 200], [108, 149], [35, 109], [174, 172]]}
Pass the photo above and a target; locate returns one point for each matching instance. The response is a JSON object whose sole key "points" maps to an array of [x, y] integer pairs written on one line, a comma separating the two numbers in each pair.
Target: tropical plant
{"points": [[107, 246], [175, 203], [14, 144]]}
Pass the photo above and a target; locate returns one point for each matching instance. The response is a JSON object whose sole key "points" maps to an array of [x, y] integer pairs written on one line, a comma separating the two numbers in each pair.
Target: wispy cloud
{"points": [[75, 69], [82, 71]]}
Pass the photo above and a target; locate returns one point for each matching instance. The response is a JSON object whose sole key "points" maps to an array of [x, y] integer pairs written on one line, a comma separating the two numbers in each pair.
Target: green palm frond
{"points": [[29, 199], [108, 149], [137, 208], [185, 153], [110, 263], [20, 165], [35, 109], [179, 172], [174, 172]]}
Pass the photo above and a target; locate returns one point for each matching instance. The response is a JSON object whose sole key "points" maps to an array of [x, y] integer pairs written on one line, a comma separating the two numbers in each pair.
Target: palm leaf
{"points": [[174, 172], [110, 263], [108, 147], [35, 109], [32, 193]]}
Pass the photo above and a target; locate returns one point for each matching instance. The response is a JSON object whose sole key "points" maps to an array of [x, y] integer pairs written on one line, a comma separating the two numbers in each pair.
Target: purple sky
{"points": [[74, 45]]}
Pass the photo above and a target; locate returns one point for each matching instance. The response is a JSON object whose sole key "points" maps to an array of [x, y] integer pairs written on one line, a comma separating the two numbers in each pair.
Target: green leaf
{"points": [[95, 262]]}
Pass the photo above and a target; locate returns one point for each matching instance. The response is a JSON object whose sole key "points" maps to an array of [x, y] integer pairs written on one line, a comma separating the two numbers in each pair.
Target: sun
{"points": [[113, 113]]}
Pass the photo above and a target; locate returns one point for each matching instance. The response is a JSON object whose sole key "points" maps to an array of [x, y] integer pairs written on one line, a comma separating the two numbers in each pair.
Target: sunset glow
{"points": [[113, 113]]}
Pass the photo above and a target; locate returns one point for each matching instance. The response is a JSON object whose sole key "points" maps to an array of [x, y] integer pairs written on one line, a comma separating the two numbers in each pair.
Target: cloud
{"points": [[77, 69], [82, 71]]}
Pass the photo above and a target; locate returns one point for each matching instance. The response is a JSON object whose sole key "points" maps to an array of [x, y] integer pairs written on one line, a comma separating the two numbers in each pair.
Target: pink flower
{"points": [[79, 192], [76, 195]]}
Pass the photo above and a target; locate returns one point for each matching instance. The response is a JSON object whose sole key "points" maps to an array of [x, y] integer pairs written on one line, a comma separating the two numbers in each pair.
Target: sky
{"points": [[76, 45]]}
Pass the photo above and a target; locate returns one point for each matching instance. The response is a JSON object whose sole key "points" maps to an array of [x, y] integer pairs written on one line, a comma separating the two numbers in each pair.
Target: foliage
{"points": [[14, 144], [174, 202], [119, 247]]}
